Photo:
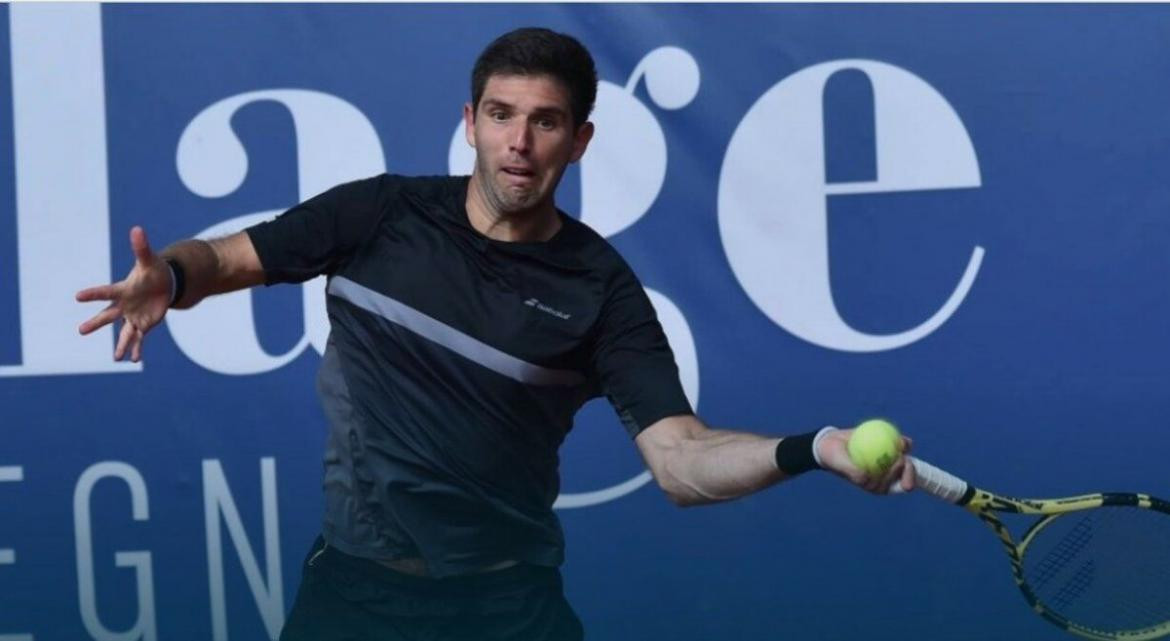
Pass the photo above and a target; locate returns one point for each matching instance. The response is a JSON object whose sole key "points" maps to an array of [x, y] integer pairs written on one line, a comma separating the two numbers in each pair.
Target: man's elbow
{"points": [[668, 448], [687, 500], [681, 494]]}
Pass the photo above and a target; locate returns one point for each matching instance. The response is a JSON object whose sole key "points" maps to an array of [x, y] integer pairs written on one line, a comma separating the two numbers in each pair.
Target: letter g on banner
{"points": [[773, 215]]}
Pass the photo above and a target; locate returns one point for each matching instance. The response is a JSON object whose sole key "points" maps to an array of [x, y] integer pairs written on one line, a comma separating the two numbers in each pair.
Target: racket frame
{"points": [[985, 505]]}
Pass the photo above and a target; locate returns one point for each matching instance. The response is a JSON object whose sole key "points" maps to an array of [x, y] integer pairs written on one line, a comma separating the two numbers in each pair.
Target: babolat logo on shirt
{"points": [[532, 302]]}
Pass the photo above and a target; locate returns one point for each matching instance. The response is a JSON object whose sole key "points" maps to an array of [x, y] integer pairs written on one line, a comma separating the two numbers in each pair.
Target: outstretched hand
{"points": [[140, 300], [835, 458]]}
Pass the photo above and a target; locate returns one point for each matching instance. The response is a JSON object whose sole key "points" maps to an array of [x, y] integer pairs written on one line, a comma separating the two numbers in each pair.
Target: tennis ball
{"points": [[874, 445]]}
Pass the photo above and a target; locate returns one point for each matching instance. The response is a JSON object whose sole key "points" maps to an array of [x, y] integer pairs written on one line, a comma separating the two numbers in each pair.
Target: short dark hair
{"points": [[533, 51]]}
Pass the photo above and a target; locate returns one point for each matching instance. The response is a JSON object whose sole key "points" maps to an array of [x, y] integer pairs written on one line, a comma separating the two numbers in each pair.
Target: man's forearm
{"points": [[214, 267], [721, 465], [199, 267]]}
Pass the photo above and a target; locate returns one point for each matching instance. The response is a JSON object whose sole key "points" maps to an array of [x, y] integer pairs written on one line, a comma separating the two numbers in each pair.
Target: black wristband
{"points": [[180, 280], [794, 454]]}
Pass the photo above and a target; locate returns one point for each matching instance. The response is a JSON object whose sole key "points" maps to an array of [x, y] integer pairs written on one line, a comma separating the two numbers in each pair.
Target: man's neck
{"points": [[537, 224]]}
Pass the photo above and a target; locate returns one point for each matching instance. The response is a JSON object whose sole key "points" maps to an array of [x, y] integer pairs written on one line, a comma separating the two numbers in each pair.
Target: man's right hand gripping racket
{"points": [[1096, 565]]}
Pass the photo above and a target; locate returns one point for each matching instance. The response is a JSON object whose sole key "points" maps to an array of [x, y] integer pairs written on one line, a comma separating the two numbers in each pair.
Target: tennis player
{"points": [[470, 320]]}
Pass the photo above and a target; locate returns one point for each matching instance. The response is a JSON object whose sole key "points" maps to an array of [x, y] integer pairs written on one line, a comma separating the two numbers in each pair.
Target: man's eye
{"points": [[499, 116], [545, 123]]}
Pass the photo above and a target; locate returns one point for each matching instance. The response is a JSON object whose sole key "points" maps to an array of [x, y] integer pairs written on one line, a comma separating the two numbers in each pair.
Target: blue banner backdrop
{"points": [[954, 216]]}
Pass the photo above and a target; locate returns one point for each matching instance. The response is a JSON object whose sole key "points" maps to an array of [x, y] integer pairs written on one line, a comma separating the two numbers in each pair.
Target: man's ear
{"points": [[469, 123], [581, 141]]}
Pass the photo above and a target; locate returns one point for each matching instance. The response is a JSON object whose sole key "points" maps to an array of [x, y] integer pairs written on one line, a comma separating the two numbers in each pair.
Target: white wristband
{"points": [[817, 440]]}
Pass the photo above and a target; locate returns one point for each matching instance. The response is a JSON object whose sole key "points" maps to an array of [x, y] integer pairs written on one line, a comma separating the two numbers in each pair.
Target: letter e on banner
{"points": [[773, 215]]}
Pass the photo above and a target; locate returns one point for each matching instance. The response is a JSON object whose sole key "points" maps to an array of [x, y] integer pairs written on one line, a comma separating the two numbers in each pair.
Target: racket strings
{"points": [[1061, 554], [1081, 580], [1107, 569]]}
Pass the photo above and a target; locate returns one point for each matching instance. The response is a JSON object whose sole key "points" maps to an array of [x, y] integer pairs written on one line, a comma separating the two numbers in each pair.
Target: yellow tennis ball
{"points": [[874, 445]]}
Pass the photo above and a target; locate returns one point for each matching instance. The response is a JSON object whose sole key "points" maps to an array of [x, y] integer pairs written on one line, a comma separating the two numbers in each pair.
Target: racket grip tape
{"points": [[933, 480]]}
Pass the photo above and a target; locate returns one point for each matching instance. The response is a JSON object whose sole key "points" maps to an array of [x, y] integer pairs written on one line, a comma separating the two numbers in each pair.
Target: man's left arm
{"points": [[696, 465]]}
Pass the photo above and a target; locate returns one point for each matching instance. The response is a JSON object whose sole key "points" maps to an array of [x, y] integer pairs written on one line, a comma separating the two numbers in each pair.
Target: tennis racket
{"points": [[1096, 565]]}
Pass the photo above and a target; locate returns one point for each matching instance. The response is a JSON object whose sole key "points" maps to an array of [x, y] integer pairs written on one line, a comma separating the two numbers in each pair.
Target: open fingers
{"points": [[101, 292], [140, 246], [136, 345], [101, 319], [124, 338]]}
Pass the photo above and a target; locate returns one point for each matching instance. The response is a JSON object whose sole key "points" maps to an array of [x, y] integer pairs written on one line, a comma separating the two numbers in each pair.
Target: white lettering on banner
{"points": [[269, 592], [144, 628], [335, 143], [772, 181], [772, 194], [11, 474], [625, 168], [59, 139], [219, 511]]}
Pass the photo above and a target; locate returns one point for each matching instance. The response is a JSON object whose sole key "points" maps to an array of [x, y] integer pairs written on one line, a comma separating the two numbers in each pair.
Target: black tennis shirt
{"points": [[455, 364]]}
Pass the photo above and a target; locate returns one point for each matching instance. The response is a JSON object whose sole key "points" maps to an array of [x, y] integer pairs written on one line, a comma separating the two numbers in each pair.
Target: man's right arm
{"points": [[306, 241], [140, 301]]}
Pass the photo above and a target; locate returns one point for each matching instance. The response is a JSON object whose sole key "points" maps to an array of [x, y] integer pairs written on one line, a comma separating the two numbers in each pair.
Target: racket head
{"points": [[1096, 565]]}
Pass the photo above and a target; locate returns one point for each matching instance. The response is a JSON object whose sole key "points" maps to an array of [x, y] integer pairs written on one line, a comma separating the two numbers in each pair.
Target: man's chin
{"points": [[514, 202]]}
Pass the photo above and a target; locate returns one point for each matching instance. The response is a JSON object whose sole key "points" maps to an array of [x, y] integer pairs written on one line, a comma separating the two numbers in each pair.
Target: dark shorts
{"points": [[345, 598]]}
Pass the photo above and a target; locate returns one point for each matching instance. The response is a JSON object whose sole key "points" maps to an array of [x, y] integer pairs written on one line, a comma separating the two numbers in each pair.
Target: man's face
{"points": [[524, 138]]}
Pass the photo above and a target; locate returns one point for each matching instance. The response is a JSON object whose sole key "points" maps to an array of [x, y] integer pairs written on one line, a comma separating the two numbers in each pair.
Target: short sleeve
{"points": [[633, 360], [317, 235]]}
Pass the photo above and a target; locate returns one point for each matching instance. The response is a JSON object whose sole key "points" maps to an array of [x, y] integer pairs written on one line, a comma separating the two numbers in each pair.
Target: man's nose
{"points": [[520, 138]]}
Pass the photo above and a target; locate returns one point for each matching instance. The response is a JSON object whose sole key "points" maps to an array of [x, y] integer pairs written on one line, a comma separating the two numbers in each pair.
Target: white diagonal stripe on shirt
{"points": [[449, 337]]}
